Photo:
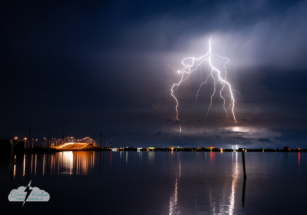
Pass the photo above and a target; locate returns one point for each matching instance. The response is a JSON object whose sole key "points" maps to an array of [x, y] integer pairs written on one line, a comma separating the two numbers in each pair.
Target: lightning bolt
{"points": [[27, 190], [215, 74], [205, 82]]}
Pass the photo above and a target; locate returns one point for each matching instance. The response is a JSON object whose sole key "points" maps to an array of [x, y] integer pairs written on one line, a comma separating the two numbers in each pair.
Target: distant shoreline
{"points": [[41, 150]]}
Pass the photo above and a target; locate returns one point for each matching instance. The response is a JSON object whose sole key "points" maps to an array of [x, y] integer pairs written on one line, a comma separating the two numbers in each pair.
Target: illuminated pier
{"points": [[83, 144]]}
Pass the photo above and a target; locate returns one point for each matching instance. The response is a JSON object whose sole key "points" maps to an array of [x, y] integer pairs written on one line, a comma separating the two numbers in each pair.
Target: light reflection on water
{"points": [[224, 205], [66, 162], [165, 182], [173, 208]]}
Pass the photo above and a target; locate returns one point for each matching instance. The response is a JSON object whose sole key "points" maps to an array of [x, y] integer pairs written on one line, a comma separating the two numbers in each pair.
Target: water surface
{"points": [[159, 183]]}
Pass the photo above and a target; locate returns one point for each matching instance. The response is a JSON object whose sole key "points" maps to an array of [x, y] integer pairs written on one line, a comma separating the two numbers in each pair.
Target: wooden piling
{"points": [[243, 192], [243, 162]]}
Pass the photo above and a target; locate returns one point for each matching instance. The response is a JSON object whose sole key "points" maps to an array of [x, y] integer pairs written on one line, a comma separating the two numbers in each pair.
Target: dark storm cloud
{"points": [[220, 137], [254, 32], [233, 132], [109, 66], [263, 140]]}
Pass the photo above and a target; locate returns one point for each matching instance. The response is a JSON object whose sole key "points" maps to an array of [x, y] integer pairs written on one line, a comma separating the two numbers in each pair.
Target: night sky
{"points": [[108, 66]]}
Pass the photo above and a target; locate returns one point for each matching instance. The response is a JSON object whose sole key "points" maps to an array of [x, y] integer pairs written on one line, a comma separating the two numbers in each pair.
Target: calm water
{"points": [[159, 183]]}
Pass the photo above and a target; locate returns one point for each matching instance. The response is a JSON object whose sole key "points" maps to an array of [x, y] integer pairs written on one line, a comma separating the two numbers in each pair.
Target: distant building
{"points": [[151, 148], [210, 148]]}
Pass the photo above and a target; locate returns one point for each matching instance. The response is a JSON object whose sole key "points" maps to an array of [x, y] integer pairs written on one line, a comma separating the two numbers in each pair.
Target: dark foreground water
{"points": [[159, 183]]}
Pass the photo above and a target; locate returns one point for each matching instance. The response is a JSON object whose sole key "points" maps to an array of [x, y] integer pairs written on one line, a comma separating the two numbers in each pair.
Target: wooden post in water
{"points": [[243, 192], [243, 162]]}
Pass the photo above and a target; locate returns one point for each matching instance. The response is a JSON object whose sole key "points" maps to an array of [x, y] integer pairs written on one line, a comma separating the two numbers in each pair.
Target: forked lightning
{"points": [[215, 74]]}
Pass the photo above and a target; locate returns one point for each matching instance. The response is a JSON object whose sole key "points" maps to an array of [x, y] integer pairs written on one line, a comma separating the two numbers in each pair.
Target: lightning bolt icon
{"points": [[28, 190], [191, 64]]}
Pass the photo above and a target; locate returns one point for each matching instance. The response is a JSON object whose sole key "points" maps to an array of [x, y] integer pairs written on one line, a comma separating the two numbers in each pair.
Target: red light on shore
{"points": [[211, 147]]}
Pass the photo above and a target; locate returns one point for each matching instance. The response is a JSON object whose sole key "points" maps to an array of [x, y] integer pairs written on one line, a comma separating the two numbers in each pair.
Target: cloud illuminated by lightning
{"points": [[215, 74]]}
